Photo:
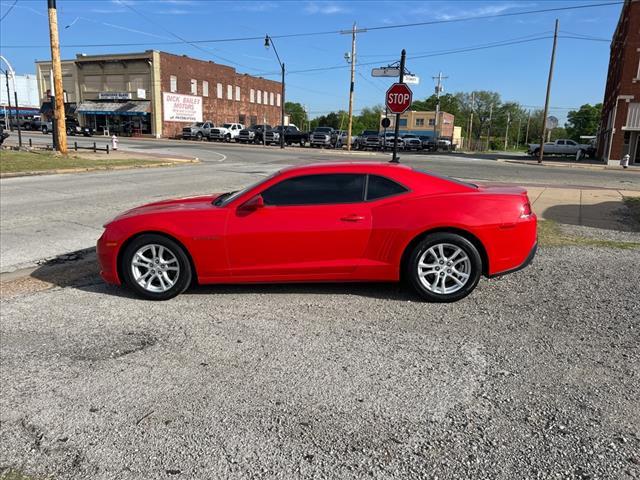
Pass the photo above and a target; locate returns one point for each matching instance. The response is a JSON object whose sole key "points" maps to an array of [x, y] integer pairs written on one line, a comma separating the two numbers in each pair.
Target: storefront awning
{"points": [[114, 108]]}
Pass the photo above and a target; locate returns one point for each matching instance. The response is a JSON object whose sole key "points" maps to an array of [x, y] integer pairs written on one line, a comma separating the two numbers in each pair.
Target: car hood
{"points": [[172, 205]]}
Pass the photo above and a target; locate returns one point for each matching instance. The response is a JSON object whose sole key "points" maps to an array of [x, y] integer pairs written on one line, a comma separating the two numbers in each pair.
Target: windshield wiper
{"points": [[218, 201]]}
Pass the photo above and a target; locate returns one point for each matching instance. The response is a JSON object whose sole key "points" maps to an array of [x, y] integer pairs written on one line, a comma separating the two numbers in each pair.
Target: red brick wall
{"points": [[219, 110], [623, 68]]}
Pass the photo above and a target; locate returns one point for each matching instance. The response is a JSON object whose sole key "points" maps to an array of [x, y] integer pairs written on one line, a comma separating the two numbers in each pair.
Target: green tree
{"points": [[448, 103], [480, 103], [583, 121], [296, 113]]}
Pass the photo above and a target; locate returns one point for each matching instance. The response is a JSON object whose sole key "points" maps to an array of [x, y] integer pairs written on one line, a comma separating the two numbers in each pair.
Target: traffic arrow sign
{"points": [[398, 98]]}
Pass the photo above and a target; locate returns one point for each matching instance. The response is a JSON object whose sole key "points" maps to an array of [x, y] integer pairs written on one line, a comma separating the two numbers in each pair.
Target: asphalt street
{"points": [[45, 216], [534, 376]]}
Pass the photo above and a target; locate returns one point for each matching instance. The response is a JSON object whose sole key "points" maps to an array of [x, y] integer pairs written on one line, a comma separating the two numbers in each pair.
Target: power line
{"points": [[326, 32], [9, 11]]}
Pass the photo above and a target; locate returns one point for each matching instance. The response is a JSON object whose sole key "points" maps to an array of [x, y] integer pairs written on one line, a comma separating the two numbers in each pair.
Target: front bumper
{"points": [[107, 253]]}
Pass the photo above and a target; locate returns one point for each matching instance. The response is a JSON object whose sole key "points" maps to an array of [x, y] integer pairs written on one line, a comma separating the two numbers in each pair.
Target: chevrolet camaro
{"points": [[332, 222]]}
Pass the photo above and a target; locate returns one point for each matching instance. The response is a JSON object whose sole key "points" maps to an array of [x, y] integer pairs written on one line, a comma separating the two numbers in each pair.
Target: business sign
{"points": [[181, 108], [114, 96]]}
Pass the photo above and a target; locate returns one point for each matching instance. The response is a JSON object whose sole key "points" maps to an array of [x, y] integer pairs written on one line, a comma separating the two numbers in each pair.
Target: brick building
{"points": [[620, 124], [157, 93]]}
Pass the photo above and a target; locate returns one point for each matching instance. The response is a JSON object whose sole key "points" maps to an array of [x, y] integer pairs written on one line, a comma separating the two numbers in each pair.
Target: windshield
{"points": [[199, 124], [323, 129], [227, 125], [226, 198]]}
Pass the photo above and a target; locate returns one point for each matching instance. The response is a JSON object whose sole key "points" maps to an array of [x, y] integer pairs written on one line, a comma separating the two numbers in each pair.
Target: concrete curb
{"points": [[171, 163], [569, 165]]}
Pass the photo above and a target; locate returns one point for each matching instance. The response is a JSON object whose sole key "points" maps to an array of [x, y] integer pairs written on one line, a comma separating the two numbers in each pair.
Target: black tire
{"points": [[473, 268], [227, 138], [536, 152], [45, 130], [184, 275]]}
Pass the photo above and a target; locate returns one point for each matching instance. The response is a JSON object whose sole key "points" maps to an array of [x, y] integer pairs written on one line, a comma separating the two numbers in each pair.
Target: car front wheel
{"points": [[444, 267], [156, 267]]}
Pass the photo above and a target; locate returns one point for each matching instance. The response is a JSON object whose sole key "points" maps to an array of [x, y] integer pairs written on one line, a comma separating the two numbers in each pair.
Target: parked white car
{"points": [[226, 133], [561, 146]]}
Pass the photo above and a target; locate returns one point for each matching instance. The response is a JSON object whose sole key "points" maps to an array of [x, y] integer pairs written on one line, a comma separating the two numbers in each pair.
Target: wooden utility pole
{"points": [[352, 85], [489, 131], [526, 137], [546, 102], [57, 87], [439, 89], [473, 106], [506, 132]]}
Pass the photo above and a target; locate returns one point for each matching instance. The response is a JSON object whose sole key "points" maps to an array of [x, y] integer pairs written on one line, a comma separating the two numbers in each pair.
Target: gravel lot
{"points": [[536, 375]]}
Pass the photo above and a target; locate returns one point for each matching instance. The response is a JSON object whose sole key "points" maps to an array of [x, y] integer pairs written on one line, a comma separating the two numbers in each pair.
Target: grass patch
{"points": [[550, 235], [14, 475], [23, 162], [633, 204]]}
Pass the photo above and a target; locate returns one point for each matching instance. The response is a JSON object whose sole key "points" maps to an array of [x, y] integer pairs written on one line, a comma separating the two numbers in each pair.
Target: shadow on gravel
{"points": [[80, 270], [605, 215]]}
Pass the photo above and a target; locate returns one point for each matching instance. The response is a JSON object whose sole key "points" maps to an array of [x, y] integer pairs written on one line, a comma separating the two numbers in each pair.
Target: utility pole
{"points": [[395, 158], [352, 59], [59, 113], [473, 106], [506, 132], [439, 89], [489, 131], [526, 137], [7, 113], [518, 137], [546, 102]]}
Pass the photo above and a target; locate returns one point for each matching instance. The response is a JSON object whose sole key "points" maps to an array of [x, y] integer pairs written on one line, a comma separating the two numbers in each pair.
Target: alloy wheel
{"points": [[155, 268], [444, 268]]}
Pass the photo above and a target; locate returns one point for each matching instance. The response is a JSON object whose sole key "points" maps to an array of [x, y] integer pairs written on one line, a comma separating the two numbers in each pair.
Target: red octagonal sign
{"points": [[399, 98]]}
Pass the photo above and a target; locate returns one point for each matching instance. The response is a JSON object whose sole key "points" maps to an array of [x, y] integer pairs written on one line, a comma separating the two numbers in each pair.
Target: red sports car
{"points": [[333, 222]]}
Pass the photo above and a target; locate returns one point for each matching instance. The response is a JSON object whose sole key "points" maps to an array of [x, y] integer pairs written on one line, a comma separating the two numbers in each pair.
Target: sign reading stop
{"points": [[398, 98]]}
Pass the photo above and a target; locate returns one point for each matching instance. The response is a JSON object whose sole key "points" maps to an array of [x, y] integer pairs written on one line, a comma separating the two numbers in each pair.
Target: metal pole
{"points": [[518, 137], [57, 77], [526, 137], [15, 94], [7, 112], [395, 158], [506, 132], [473, 104], [489, 131], [352, 85], [546, 102], [282, 111], [437, 128]]}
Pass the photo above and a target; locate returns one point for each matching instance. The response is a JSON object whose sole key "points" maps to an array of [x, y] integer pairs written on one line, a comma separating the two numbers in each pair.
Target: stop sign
{"points": [[398, 98]]}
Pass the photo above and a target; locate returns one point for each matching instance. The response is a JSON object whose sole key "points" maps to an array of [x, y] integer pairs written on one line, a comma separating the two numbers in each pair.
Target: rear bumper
{"points": [[524, 264]]}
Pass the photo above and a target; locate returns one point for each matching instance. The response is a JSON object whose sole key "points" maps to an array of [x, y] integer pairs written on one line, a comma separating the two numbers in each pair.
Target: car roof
{"points": [[373, 166]]}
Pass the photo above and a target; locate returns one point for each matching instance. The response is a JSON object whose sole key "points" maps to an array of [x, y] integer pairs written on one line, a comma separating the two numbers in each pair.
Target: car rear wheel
{"points": [[156, 267], [444, 267]]}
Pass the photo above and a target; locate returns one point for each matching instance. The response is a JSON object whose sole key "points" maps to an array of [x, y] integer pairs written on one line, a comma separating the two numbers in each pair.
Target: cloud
{"points": [[484, 10], [324, 8]]}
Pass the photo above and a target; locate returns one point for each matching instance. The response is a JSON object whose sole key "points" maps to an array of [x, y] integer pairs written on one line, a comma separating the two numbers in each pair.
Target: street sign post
{"points": [[398, 98], [385, 72]]}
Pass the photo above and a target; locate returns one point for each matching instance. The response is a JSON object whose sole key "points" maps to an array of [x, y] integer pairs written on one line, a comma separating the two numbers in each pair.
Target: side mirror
{"points": [[255, 203]]}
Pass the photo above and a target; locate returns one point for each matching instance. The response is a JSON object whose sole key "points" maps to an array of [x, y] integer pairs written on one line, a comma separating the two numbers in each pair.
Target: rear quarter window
{"points": [[381, 187]]}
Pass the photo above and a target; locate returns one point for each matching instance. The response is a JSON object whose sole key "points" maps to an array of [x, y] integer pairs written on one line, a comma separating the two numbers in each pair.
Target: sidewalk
{"points": [[587, 166], [588, 207]]}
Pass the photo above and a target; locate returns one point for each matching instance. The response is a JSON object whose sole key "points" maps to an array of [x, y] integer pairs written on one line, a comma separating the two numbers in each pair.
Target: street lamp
{"points": [[268, 41]]}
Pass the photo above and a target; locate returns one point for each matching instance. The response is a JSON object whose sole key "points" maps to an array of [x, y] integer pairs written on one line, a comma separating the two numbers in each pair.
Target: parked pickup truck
{"points": [[368, 139], [253, 134], [324, 137], [225, 133], [197, 131], [562, 147], [293, 135]]}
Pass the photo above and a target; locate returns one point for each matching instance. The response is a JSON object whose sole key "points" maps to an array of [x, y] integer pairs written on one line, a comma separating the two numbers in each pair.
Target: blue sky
{"points": [[518, 72]]}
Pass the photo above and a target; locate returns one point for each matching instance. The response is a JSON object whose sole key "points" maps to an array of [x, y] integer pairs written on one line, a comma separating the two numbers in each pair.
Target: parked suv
{"points": [[197, 131], [253, 134], [226, 133], [428, 143], [411, 142], [324, 137]]}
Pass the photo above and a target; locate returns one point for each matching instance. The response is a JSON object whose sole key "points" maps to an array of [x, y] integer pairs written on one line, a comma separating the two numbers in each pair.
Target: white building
{"points": [[27, 89]]}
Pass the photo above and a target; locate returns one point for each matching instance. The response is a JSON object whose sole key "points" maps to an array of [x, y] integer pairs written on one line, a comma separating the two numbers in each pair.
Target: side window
{"points": [[571, 142], [380, 187], [316, 190], [560, 142]]}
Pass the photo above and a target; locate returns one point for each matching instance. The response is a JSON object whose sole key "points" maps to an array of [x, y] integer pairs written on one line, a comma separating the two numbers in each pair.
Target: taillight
{"points": [[525, 210]]}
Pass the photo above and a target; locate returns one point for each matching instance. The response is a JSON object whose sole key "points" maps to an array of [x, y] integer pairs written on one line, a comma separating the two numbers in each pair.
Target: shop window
{"points": [[237, 93], [432, 122], [259, 96], [271, 99], [229, 92], [93, 83], [419, 122], [194, 86], [205, 88], [278, 100], [252, 96], [114, 83], [173, 83], [403, 122], [219, 90], [137, 82]]}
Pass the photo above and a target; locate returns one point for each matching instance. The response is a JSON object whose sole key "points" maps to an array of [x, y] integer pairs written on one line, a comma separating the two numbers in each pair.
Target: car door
{"points": [[310, 226]]}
